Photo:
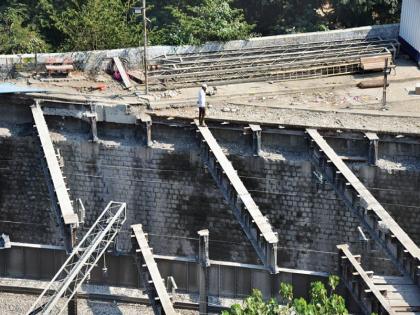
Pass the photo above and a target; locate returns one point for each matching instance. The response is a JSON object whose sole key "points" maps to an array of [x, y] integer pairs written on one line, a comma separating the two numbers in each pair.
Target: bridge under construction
{"points": [[117, 202]]}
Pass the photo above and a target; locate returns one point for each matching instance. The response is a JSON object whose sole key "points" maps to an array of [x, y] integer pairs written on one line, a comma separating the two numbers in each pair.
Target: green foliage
{"points": [[321, 302], [16, 36], [351, 13], [207, 20], [96, 24], [38, 25]]}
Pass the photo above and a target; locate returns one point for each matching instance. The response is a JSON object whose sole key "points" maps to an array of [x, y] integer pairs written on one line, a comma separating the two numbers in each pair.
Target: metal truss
{"points": [[58, 293]]}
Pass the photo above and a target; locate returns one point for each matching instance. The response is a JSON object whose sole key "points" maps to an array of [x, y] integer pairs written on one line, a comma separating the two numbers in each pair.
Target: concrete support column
{"points": [[94, 129], [204, 264], [72, 306], [149, 133], [256, 139], [373, 147], [93, 122]]}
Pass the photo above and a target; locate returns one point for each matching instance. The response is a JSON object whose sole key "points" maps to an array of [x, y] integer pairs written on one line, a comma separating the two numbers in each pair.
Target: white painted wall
{"points": [[410, 23]]}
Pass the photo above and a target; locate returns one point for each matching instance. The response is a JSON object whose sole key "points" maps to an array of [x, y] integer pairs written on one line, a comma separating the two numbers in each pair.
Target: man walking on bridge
{"points": [[201, 103]]}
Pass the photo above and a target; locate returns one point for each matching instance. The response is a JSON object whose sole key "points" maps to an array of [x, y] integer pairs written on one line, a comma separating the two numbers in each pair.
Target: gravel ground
{"points": [[379, 122], [18, 304]]}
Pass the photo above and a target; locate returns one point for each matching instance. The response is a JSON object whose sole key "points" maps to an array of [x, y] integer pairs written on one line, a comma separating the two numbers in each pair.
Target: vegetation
{"points": [[322, 302], [57, 25]]}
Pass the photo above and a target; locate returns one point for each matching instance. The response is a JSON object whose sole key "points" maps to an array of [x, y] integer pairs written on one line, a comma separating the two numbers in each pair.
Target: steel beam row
{"points": [[60, 199], [76, 269], [149, 273], [256, 226], [399, 247], [360, 284]]}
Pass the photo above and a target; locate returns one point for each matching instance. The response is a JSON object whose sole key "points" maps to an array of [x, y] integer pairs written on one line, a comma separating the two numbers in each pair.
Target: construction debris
{"points": [[59, 66], [121, 73], [369, 84]]}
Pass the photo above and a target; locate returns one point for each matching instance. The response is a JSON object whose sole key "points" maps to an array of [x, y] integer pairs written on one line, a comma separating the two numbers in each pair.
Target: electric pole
{"points": [[385, 84], [146, 81]]}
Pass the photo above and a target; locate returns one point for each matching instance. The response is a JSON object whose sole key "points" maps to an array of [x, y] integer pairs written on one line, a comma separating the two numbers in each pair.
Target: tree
{"points": [[95, 24], [352, 13], [16, 35], [322, 302], [206, 20], [274, 17]]}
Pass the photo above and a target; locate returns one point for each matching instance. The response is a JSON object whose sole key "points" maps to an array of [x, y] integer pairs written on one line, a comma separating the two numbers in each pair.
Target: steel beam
{"points": [[60, 199], [256, 226], [149, 273], [398, 246], [360, 284]]}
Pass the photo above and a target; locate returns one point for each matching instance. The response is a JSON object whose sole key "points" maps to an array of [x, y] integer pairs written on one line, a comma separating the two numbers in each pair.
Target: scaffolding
{"points": [[63, 287]]}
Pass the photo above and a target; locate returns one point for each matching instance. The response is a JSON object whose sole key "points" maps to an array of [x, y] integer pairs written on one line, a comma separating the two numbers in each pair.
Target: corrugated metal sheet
{"points": [[410, 23], [10, 88]]}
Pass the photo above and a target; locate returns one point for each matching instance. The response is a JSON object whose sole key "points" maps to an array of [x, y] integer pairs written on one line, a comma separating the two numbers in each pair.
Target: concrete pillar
{"points": [[93, 122], [149, 133], [256, 139], [72, 306], [94, 129], [373, 147], [204, 264]]}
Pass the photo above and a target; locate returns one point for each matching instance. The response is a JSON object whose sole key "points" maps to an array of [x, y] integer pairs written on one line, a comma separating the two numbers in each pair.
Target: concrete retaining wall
{"points": [[93, 61], [167, 189]]}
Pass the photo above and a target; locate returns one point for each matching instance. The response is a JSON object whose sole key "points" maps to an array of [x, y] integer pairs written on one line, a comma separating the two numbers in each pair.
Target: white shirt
{"points": [[201, 102]]}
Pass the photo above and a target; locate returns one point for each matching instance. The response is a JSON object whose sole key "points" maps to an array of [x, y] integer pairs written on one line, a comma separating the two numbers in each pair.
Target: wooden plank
{"points": [[61, 192], [365, 195], [122, 72], [153, 270]]}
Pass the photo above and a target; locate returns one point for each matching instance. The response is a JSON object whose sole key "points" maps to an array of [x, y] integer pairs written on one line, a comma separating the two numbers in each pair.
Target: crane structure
{"points": [[76, 269]]}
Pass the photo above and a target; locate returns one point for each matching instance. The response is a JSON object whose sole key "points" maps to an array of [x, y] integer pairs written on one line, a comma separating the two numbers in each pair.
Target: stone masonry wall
{"points": [[169, 192]]}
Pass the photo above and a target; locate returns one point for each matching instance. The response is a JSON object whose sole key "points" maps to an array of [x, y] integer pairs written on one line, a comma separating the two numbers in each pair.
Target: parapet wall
{"points": [[93, 61]]}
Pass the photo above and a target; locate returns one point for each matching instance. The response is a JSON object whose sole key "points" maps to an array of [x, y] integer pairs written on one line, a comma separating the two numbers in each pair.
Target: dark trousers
{"points": [[201, 115]]}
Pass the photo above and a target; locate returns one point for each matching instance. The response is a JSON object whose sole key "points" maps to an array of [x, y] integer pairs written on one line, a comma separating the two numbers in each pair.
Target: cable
{"points": [[23, 223]]}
